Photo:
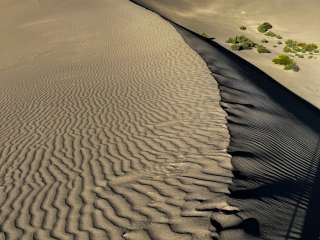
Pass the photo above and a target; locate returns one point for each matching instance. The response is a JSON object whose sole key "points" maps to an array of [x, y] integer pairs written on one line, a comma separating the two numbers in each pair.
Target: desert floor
{"points": [[111, 126], [221, 19]]}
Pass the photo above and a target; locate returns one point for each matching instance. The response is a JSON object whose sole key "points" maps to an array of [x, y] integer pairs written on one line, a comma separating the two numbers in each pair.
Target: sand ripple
{"points": [[110, 126]]}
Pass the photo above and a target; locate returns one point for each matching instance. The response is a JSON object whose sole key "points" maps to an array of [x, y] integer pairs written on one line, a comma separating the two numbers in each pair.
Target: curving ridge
{"points": [[111, 126], [275, 148]]}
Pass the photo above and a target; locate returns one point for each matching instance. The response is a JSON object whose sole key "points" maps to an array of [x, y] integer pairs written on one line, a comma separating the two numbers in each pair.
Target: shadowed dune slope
{"points": [[275, 148], [110, 125]]}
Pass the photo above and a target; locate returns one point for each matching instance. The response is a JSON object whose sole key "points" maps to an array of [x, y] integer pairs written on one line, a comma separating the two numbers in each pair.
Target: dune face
{"points": [[111, 126], [275, 148]]}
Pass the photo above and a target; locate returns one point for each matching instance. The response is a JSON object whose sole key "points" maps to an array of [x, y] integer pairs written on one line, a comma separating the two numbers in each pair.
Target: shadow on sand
{"points": [[274, 145]]}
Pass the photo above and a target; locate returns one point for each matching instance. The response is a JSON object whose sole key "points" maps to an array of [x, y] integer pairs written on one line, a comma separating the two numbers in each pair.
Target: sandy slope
{"points": [[275, 148], [221, 19], [110, 125]]}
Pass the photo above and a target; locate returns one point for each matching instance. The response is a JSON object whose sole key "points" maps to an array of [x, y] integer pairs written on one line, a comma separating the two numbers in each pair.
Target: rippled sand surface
{"points": [[111, 126]]}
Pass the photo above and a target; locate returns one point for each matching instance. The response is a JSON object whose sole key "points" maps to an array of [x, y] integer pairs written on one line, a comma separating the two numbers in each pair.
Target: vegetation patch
{"points": [[272, 34], [243, 28], [204, 35], [291, 50], [262, 49], [286, 61], [264, 27], [300, 47], [239, 43]]}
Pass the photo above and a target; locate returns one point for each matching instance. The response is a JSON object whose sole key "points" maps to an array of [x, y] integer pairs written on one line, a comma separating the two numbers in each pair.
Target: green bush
{"points": [[291, 43], [262, 49], [264, 27], [301, 47], [287, 49], [241, 43], [286, 61], [311, 47], [272, 34]]}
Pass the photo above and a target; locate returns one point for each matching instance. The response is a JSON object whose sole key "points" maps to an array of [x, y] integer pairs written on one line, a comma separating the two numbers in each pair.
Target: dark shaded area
{"points": [[274, 145]]}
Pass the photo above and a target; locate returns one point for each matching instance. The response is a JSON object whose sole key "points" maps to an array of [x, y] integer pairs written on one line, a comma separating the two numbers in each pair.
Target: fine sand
{"points": [[111, 126], [275, 148], [221, 19]]}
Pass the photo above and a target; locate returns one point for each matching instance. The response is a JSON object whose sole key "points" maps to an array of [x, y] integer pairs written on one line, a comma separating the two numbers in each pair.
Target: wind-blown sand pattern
{"points": [[110, 126], [275, 148]]}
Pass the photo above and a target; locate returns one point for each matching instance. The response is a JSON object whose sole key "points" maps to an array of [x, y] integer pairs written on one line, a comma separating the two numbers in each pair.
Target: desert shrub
{"points": [[262, 49], [272, 34], [287, 49], [204, 35], [301, 47], [264, 27], [286, 61], [311, 47], [282, 59], [243, 28], [241, 43], [291, 43], [264, 40]]}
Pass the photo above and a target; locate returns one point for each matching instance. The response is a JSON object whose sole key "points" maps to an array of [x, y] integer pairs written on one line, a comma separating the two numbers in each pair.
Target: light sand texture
{"points": [[221, 19], [111, 126]]}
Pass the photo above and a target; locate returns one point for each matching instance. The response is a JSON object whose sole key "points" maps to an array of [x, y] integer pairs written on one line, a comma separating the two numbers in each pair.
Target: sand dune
{"points": [[275, 148], [111, 126]]}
